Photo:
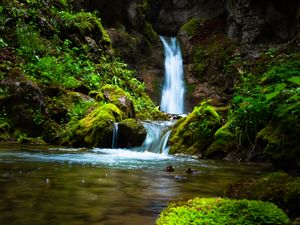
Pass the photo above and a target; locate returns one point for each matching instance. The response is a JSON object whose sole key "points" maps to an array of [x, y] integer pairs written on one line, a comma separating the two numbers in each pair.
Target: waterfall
{"points": [[158, 133], [115, 136], [172, 100]]}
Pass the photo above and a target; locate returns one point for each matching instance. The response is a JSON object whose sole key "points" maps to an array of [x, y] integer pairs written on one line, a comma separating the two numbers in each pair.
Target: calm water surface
{"points": [[44, 185]]}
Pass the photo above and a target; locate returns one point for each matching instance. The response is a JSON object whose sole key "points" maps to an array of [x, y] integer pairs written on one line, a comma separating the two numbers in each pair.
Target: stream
{"points": [[50, 185]]}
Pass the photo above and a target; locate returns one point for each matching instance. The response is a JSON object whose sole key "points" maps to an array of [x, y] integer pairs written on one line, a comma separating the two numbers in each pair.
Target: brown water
{"points": [[102, 186]]}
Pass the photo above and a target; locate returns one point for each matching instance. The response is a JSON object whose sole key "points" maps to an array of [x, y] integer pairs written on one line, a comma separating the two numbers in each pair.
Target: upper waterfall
{"points": [[172, 100]]}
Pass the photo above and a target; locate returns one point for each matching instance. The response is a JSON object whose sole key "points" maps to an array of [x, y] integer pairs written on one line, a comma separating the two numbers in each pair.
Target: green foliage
{"points": [[31, 44], [295, 79], [85, 22], [222, 211], [78, 111], [259, 99], [3, 44]]}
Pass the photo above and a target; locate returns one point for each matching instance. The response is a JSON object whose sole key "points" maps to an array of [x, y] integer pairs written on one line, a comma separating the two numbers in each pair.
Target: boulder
{"points": [[131, 133], [194, 133], [117, 96], [95, 129]]}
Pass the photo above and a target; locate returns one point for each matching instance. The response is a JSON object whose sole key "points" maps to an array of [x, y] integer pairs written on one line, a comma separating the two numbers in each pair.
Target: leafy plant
{"points": [[31, 44]]}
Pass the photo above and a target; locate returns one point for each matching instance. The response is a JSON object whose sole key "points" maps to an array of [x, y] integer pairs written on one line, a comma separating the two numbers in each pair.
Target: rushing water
{"points": [[173, 91], [156, 140], [42, 185]]}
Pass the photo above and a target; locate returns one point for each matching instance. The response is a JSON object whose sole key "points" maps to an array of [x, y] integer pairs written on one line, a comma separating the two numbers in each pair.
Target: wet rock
{"points": [[131, 133], [191, 171], [169, 169]]}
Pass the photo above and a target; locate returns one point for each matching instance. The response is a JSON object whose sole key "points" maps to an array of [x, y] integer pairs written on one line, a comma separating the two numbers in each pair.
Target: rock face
{"points": [[167, 16], [117, 14], [261, 21]]}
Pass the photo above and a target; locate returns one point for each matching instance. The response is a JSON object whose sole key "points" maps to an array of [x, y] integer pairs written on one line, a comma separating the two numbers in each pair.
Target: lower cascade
{"points": [[156, 140], [158, 133]]}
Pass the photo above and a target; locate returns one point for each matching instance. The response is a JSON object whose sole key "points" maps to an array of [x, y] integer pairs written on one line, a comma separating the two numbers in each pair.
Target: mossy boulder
{"points": [[131, 133], [118, 97], [95, 129], [222, 211], [194, 133], [279, 142], [279, 188], [224, 141]]}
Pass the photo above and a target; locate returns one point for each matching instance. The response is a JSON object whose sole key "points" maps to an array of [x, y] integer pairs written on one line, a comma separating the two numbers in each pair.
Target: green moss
{"points": [[194, 133], [150, 34], [279, 188], [191, 27], [85, 23], [95, 129], [222, 211], [225, 141], [280, 144]]}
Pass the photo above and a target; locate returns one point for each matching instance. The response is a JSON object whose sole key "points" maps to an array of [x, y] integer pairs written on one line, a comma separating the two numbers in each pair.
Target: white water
{"points": [[115, 135], [172, 100], [156, 140]]}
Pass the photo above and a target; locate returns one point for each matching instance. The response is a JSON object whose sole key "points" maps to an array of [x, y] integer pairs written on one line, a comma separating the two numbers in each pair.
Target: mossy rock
{"points": [[118, 97], [94, 130], [131, 133], [194, 133], [222, 211], [279, 188], [191, 26], [279, 142], [224, 141]]}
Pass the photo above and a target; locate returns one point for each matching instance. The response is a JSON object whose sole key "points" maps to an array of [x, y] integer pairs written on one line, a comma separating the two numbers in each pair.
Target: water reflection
{"points": [[102, 186]]}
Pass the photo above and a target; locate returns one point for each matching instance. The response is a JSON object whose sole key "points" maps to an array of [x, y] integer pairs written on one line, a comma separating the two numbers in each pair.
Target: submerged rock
{"points": [[169, 169]]}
